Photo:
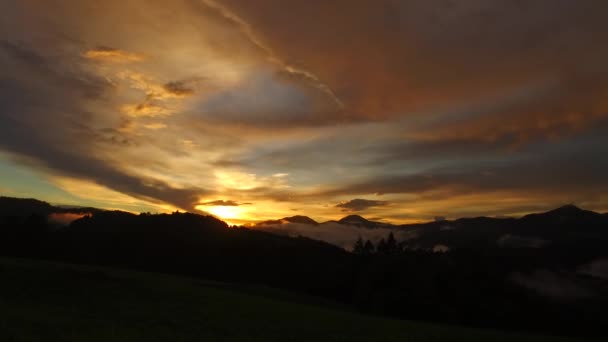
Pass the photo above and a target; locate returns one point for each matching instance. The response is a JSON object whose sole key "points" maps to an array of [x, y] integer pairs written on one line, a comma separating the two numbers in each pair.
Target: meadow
{"points": [[48, 301]]}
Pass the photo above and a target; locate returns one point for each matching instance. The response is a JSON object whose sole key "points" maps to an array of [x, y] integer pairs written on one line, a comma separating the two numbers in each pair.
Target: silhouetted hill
{"points": [[24, 207], [181, 243], [567, 213], [292, 219], [301, 219], [565, 226], [353, 219], [359, 221]]}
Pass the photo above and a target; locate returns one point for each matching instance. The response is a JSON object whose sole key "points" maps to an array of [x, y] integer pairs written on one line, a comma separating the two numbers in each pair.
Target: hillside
{"points": [[43, 301]]}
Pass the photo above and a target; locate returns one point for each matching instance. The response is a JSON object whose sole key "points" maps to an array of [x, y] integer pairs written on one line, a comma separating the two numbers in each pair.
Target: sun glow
{"points": [[225, 212]]}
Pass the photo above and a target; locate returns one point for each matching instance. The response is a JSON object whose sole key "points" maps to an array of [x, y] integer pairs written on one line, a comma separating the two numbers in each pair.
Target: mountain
{"points": [[292, 219], [24, 206], [350, 220], [567, 227], [354, 219], [21, 207], [359, 221], [565, 213]]}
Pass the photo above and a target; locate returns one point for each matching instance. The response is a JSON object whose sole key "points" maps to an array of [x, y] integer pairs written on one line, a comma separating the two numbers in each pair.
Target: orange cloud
{"points": [[112, 55], [155, 126], [144, 110]]}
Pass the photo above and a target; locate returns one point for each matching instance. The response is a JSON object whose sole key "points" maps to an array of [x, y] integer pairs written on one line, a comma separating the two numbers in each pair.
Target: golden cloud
{"points": [[112, 55], [145, 110]]}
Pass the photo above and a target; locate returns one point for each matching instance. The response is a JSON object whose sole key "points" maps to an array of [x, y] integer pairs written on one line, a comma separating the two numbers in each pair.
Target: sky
{"points": [[399, 111]]}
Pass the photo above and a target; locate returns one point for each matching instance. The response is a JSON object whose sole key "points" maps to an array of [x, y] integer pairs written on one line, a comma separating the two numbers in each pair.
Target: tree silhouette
{"points": [[391, 244], [381, 248], [368, 248], [359, 247]]}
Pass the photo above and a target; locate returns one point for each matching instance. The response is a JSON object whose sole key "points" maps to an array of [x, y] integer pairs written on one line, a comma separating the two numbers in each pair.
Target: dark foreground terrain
{"points": [[544, 274], [44, 301]]}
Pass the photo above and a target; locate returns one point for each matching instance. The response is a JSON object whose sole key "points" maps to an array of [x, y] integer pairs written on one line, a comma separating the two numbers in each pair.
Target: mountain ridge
{"points": [[291, 219]]}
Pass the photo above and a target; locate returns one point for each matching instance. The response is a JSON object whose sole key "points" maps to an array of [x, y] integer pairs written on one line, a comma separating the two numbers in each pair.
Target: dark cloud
{"points": [[566, 167], [105, 49], [43, 127], [42, 154], [228, 203], [25, 66], [179, 88], [386, 59], [271, 100], [359, 204], [24, 55]]}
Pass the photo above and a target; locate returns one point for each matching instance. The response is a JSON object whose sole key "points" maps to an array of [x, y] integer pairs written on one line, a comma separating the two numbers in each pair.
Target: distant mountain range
{"points": [[565, 213], [352, 220], [566, 224], [291, 219]]}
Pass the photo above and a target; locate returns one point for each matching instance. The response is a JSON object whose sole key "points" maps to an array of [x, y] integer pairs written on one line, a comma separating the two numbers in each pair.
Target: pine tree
{"points": [[359, 247], [391, 244], [368, 248], [381, 248]]}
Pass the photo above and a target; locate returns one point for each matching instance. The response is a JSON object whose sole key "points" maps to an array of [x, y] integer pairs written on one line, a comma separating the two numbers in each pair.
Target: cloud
{"points": [[228, 203], [39, 128], [267, 99], [27, 63], [153, 89], [428, 56], [285, 67], [525, 172], [155, 125], [179, 88], [145, 110], [360, 204], [104, 53]]}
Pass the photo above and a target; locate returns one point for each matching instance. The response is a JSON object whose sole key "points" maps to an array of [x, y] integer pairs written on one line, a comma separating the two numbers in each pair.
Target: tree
{"points": [[381, 248], [391, 244], [368, 248], [359, 247]]}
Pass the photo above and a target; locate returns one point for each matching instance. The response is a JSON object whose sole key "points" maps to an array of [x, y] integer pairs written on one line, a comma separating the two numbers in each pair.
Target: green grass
{"points": [[44, 301]]}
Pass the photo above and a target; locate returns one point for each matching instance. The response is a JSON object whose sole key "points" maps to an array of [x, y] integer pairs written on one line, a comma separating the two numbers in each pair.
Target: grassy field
{"points": [[44, 301]]}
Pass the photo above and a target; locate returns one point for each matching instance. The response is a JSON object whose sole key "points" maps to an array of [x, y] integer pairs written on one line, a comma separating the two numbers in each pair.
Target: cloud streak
{"points": [[249, 32], [225, 203], [112, 55], [359, 204]]}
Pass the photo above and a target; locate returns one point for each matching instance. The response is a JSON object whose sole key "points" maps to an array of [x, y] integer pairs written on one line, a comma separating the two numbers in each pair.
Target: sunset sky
{"points": [[258, 109]]}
